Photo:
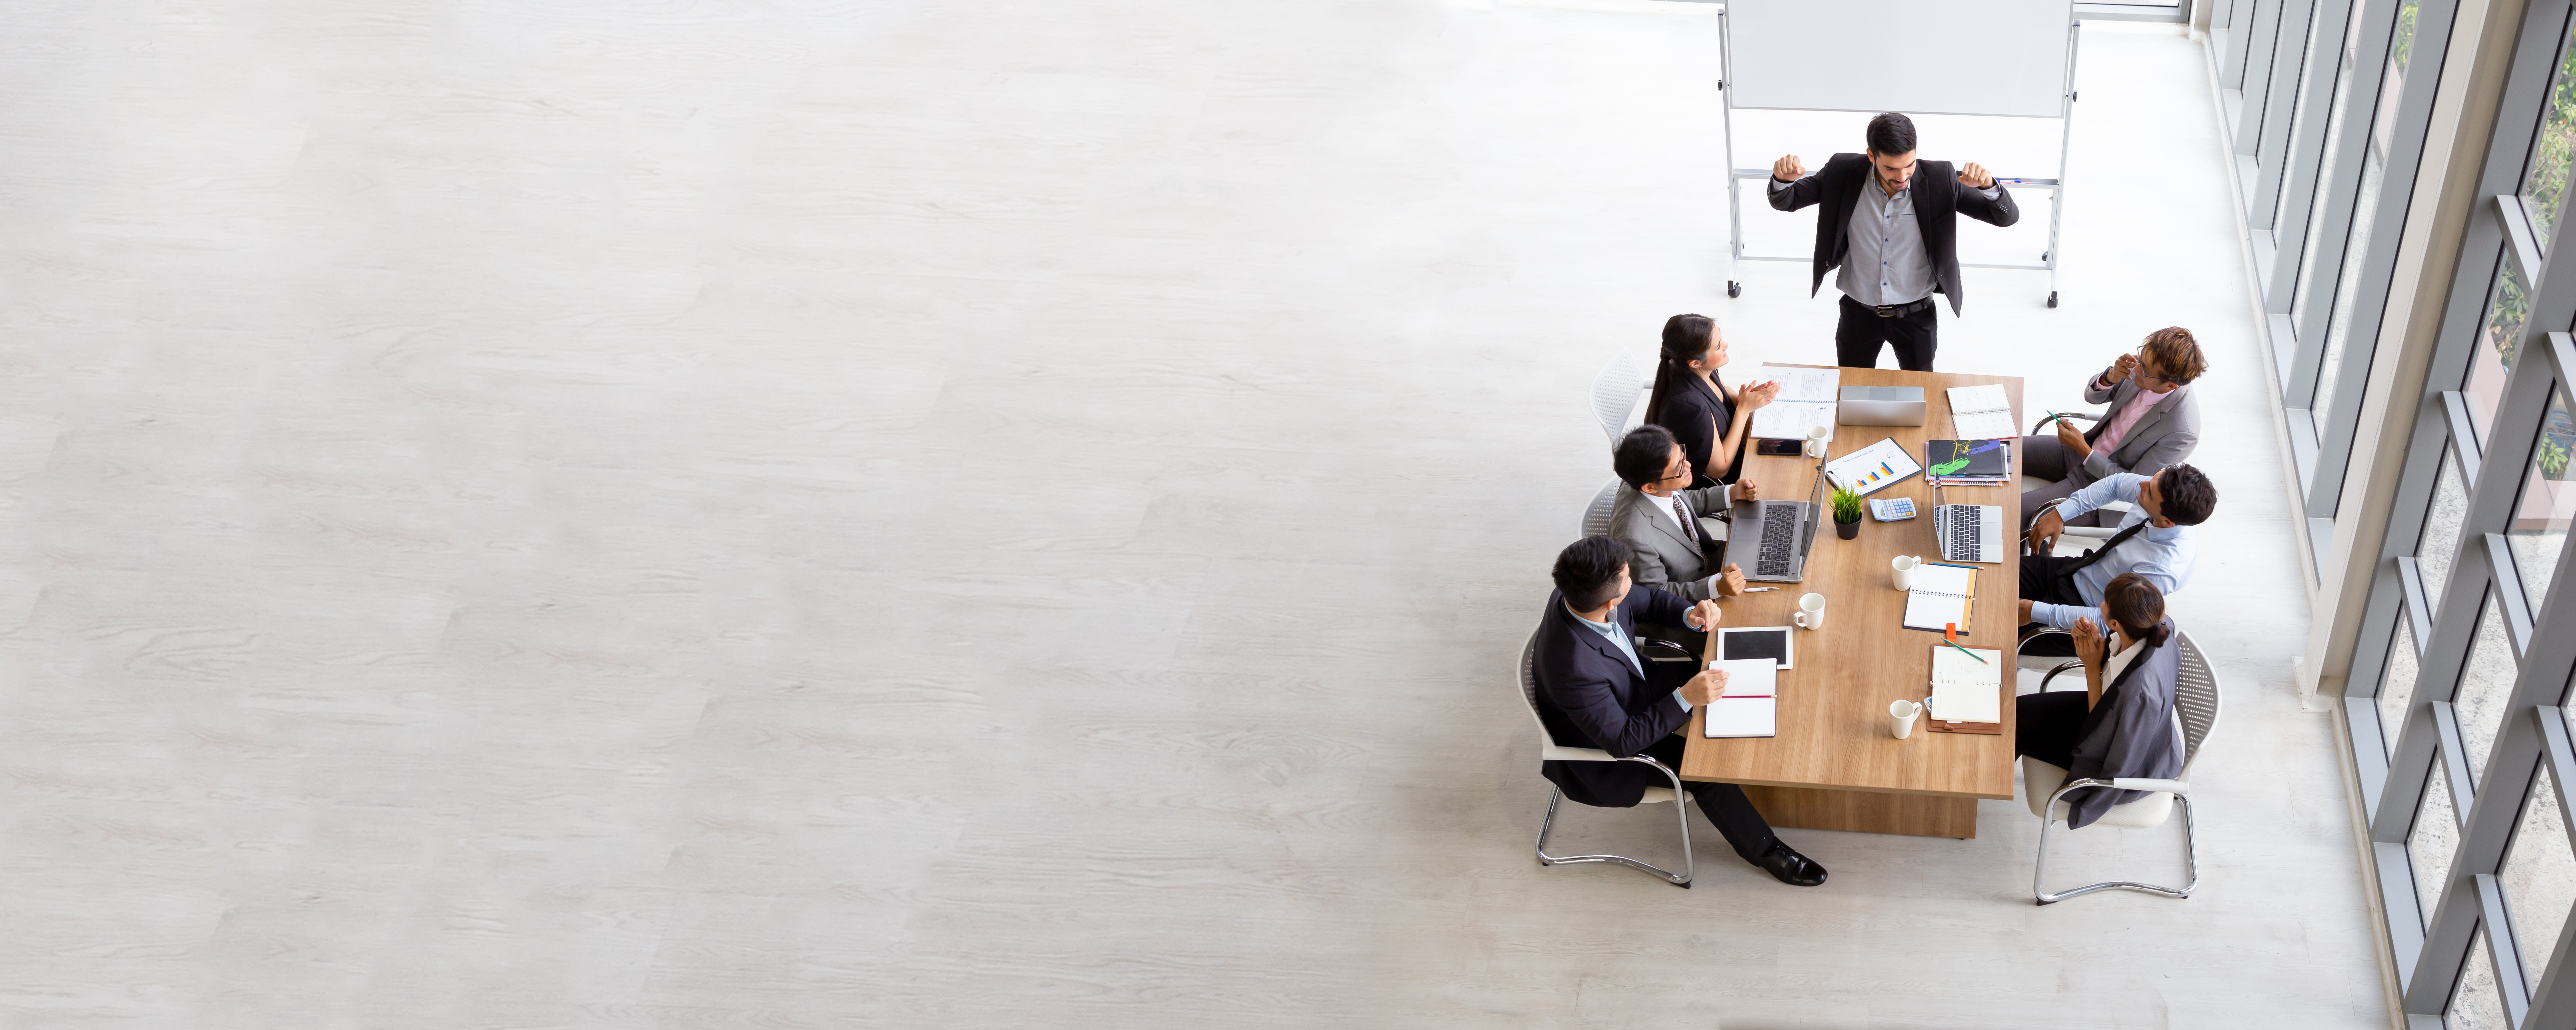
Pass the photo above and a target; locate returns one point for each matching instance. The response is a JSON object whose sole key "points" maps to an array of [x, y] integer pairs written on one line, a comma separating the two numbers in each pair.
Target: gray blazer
{"points": [[1665, 559], [2129, 733], [2164, 435]]}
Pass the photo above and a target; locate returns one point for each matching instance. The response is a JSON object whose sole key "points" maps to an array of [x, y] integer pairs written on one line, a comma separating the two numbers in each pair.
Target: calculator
{"points": [[1896, 509]]}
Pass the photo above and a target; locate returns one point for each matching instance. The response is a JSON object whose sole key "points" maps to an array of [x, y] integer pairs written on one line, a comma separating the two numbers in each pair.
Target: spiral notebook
{"points": [[1941, 597], [1750, 707]]}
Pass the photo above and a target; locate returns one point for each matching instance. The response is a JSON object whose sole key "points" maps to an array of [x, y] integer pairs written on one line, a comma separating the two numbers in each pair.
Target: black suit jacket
{"points": [[1938, 201], [1589, 696]]}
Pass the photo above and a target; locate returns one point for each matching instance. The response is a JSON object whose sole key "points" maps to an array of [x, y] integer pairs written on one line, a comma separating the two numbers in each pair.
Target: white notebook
{"points": [[1962, 689], [1751, 707], [1980, 413], [1939, 597], [1807, 399]]}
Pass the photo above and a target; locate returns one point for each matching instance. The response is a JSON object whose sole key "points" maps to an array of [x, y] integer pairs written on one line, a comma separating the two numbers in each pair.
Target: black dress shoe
{"points": [[1788, 866]]}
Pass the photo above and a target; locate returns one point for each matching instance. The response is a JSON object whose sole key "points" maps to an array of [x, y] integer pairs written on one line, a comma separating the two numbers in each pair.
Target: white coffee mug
{"points": [[1900, 718], [1905, 566], [1816, 440], [1810, 613]]}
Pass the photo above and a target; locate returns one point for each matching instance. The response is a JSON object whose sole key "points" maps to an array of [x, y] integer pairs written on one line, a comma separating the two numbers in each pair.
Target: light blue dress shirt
{"points": [[2160, 556], [1620, 637]]}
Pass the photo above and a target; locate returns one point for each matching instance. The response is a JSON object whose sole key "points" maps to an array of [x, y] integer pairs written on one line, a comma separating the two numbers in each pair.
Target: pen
{"points": [[1965, 651], [1756, 590]]}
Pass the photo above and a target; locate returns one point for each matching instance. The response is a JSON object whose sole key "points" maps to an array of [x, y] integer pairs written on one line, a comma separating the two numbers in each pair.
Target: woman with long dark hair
{"points": [[1710, 421], [2122, 724]]}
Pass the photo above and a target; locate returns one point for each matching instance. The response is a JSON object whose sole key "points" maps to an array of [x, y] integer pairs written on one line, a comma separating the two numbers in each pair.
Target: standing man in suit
{"points": [[1658, 517], [1593, 691], [2154, 421], [1891, 223]]}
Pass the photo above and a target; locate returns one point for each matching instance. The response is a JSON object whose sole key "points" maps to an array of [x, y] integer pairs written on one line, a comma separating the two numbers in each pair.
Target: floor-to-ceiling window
{"points": [[2456, 703], [2326, 103]]}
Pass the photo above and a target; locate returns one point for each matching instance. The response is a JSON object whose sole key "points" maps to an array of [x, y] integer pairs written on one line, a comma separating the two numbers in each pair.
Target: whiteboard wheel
{"points": [[1734, 289], [2052, 298]]}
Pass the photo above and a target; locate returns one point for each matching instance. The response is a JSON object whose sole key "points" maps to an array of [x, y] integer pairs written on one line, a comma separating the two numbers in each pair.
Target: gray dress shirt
{"points": [[1886, 263]]}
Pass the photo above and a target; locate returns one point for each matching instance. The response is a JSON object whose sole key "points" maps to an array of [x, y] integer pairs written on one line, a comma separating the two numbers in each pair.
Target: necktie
{"points": [[2116, 540], [1683, 513]]}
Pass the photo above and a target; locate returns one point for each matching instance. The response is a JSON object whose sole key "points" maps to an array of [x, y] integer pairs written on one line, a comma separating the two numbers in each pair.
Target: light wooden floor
{"points": [[975, 515]]}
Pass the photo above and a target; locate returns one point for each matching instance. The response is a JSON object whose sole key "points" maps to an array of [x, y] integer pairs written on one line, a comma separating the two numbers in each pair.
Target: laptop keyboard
{"points": [[1960, 526], [1779, 540]]}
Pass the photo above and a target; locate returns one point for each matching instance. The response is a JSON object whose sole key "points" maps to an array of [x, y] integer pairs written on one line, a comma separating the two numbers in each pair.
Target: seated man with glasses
{"points": [[2154, 422], [1658, 515]]}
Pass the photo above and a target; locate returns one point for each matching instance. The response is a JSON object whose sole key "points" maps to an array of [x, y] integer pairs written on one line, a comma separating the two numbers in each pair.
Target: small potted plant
{"points": [[1846, 513]]}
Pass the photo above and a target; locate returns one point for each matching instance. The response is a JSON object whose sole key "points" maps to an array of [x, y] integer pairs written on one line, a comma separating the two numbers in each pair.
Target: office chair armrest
{"points": [[1667, 770], [2025, 641], [2159, 786], [1678, 652], [2082, 415]]}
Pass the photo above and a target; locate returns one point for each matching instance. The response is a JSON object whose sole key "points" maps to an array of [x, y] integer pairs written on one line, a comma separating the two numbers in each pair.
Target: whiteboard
{"points": [[1992, 57]]}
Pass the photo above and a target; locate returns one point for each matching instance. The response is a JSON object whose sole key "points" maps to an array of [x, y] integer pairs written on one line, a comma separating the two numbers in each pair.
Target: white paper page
{"points": [[1964, 691], [1966, 400], [1790, 420], [1751, 707], [1874, 467], [1938, 596], [1816, 385]]}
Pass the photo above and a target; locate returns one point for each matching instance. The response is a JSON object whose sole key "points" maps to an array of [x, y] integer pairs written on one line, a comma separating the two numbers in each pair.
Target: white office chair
{"points": [[1614, 394], [2196, 703], [1550, 751], [1596, 515]]}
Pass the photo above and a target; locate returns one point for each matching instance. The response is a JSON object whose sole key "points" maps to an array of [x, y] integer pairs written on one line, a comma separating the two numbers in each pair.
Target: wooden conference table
{"points": [[1833, 765]]}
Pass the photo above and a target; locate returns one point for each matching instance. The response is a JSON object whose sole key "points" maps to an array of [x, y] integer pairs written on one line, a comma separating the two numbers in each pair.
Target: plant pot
{"points": [[1847, 530]]}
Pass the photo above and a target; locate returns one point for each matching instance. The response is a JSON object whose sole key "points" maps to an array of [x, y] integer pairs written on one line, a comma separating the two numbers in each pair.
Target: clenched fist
{"points": [[1975, 175], [1787, 169]]}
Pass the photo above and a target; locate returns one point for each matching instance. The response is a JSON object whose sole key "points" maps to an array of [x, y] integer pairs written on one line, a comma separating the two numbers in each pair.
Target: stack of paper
{"points": [[1967, 462], [1750, 707], [1806, 400], [1982, 412], [1963, 690]]}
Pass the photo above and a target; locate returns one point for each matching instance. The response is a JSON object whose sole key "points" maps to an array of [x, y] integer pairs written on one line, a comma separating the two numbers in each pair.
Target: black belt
{"points": [[1893, 310]]}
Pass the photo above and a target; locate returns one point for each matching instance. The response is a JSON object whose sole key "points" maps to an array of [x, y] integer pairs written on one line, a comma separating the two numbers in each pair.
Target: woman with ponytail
{"points": [[1710, 421], [2122, 724]]}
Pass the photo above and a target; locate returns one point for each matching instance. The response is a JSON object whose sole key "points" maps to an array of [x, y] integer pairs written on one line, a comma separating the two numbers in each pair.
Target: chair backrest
{"points": [[1614, 394], [1529, 688], [1596, 515], [2195, 698]]}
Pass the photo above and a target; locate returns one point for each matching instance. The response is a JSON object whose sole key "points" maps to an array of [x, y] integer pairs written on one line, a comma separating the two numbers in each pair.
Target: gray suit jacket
{"points": [[1666, 560], [2164, 435], [2129, 733]]}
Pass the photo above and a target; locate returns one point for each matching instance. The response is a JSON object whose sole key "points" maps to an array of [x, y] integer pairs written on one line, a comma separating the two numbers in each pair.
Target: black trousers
{"points": [[1856, 338], [1723, 803], [2045, 726], [2046, 579]]}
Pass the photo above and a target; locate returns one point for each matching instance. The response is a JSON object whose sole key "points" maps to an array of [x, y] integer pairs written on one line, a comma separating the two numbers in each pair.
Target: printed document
{"points": [[1981, 412], [1806, 399]]}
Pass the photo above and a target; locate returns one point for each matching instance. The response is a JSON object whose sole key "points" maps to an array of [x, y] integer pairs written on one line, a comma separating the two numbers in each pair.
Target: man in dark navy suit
{"points": [[1594, 690]]}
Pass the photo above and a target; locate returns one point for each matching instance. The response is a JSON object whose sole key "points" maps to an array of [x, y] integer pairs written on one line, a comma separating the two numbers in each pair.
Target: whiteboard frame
{"points": [[1735, 247]]}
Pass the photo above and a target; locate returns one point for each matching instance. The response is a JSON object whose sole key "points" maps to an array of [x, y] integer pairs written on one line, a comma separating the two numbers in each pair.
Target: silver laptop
{"points": [[1780, 534], [1968, 532], [1882, 405]]}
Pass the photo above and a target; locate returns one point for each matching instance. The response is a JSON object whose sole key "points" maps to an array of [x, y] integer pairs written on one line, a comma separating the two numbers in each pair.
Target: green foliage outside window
{"points": [[2545, 185]]}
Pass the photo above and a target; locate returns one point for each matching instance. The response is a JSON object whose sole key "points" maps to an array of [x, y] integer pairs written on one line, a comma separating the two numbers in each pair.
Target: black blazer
{"points": [[1689, 413], [1589, 696], [1938, 201]]}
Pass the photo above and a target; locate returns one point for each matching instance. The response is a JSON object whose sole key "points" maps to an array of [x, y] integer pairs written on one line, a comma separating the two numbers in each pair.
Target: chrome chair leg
{"points": [[2039, 871], [1681, 805]]}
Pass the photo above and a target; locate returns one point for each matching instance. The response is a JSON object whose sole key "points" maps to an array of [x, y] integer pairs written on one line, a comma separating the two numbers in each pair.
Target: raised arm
{"points": [[1791, 187], [1975, 185], [1729, 438]]}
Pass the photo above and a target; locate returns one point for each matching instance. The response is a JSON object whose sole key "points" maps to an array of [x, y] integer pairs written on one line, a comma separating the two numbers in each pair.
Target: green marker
{"points": [[1965, 651]]}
